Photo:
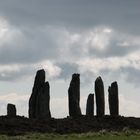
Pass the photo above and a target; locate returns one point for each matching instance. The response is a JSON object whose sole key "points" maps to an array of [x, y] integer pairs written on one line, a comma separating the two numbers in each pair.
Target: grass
{"points": [[102, 135]]}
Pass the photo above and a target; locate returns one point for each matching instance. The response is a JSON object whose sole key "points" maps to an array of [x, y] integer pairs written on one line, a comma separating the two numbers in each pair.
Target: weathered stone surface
{"points": [[113, 99], [74, 96], [99, 93], [38, 83], [43, 102], [11, 110], [90, 105]]}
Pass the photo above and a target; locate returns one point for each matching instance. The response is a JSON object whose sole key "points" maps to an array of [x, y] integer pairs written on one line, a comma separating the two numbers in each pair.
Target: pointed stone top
{"points": [[98, 79], [39, 78]]}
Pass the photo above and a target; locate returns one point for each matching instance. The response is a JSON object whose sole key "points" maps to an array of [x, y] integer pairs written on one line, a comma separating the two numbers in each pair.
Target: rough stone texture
{"points": [[43, 102], [38, 83], [113, 99], [99, 93], [74, 96], [11, 110], [90, 105]]}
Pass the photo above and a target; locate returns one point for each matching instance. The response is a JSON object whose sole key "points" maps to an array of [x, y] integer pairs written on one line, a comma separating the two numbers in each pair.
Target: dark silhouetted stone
{"points": [[38, 83], [11, 110], [90, 105], [43, 102], [99, 93], [113, 99], [74, 96]]}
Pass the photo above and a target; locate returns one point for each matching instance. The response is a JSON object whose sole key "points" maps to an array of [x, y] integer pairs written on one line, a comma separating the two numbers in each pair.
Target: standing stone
{"points": [[90, 105], [38, 83], [11, 110], [113, 99], [110, 99], [99, 93], [43, 102], [74, 96]]}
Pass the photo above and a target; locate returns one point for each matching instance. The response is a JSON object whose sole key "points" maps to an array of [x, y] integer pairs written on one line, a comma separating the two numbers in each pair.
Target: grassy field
{"points": [[103, 135]]}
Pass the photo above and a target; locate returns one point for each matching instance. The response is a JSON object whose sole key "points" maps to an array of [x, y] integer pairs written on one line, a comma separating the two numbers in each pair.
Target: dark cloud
{"points": [[34, 46], [122, 15], [68, 69], [132, 75]]}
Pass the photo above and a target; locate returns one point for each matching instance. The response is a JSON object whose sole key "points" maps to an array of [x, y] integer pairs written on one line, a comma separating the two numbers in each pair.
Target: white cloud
{"points": [[51, 69], [99, 38], [24, 71], [95, 65], [8, 33], [10, 68], [13, 97]]}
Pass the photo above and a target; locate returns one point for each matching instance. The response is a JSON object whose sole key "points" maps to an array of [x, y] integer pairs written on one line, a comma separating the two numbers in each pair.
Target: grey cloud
{"points": [[132, 75], [112, 50], [68, 69], [33, 46], [17, 75], [78, 14], [37, 44]]}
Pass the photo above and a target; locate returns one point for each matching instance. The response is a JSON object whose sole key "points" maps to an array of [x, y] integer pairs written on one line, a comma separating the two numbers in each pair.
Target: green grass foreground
{"points": [[102, 135]]}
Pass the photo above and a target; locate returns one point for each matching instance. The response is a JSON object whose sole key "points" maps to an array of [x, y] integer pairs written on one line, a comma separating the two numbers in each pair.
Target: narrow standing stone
{"points": [[43, 102], [113, 99], [11, 110], [38, 83], [90, 105], [100, 101], [74, 96]]}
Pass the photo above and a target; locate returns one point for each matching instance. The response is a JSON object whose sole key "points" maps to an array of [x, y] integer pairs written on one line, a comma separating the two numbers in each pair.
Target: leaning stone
{"points": [[100, 100], [74, 96], [43, 102], [113, 99], [90, 105], [38, 83], [11, 110]]}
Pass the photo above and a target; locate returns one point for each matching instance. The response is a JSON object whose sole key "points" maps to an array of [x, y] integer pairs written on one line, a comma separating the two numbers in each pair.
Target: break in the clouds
{"points": [[91, 37]]}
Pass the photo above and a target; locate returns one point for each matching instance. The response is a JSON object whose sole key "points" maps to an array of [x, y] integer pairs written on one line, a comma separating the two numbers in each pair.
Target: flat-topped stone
{"points": [[11, 110]]}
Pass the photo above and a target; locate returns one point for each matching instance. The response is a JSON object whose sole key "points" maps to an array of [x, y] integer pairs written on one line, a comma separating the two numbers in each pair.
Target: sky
{"points": [[90, 37]]}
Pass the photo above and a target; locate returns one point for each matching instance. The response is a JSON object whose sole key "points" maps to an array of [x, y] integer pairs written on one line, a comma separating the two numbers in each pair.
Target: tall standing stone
{"points": [[90, 105], [38, 84], [11, 110], [43, 102], [113, 99], [74, 96], [100, 100]]}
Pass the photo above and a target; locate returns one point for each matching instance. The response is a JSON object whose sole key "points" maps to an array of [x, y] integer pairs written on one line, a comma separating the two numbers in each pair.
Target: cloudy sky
{"points": [[90, 37]]}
